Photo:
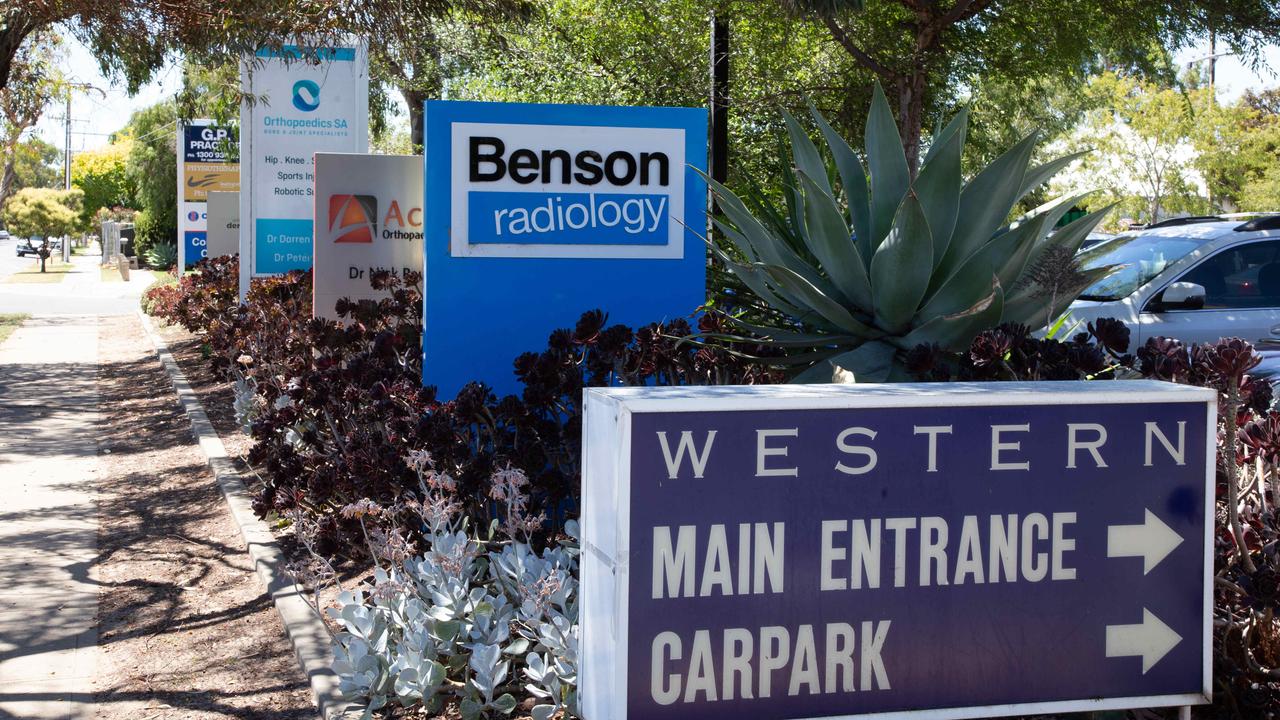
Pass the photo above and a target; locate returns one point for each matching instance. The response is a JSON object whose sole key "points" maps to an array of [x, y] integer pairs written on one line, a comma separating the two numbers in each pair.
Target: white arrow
{"points": [[1152, 541], [1151, 640]]}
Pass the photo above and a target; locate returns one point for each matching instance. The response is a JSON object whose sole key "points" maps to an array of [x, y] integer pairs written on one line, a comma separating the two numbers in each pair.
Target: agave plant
{"points": [[862, 270]]}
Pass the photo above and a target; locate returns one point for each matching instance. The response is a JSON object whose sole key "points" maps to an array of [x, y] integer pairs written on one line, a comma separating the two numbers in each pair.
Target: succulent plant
{"points": [[862, 274]]}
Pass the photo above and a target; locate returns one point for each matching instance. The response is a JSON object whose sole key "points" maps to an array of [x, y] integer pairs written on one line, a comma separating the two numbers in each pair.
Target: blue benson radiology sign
{"points": [[959, 550], [535, 214]]}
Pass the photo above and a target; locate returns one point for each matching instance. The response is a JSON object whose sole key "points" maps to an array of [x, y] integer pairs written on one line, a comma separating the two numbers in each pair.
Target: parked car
{"points": [[4, 234], [26, 247], [1195, 281]]}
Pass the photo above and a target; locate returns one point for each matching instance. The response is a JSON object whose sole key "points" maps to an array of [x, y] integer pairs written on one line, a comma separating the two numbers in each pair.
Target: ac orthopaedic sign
{"points": [[830, 551], [538, 213], [317, 100], [205, 165], [368, 217]]}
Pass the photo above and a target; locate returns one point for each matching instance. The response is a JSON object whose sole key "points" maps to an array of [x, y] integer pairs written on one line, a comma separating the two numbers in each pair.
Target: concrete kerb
{"points": [[310, 638]]}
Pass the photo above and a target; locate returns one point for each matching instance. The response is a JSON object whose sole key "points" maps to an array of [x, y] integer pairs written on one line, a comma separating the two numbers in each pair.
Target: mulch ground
{"points": [[186, 628]]}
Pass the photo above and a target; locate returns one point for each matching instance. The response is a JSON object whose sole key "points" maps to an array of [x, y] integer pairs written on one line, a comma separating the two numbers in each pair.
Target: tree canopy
{"points": [[43, 211]]}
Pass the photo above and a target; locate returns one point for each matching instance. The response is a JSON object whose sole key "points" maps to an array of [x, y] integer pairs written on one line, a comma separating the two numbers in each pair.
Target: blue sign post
{"points": [[535, 214], [960, 550]]}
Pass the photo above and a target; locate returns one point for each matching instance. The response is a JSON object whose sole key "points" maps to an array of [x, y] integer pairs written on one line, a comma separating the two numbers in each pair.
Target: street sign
{"points": [[949, 551]]}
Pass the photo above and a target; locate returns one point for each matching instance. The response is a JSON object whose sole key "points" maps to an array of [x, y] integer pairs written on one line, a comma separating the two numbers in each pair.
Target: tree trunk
{"points": [[414, 99], [7, 179], [911, 115]]}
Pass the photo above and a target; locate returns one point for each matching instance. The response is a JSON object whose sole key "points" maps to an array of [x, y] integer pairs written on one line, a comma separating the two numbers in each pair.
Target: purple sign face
{"points": [[1012, 551]]}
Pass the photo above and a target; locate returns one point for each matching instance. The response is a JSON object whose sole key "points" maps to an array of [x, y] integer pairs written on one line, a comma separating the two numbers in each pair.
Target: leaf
{"points": [[973, 279], [938, 184], [853, 178], [780, 254], [757, 243], [833, 312], [942, 136], [470, 709], [902, 266], [1067, 239], [1041, 174], [954, 332], [887, 162], [543, 712], [828, 239], [505, 704], [805, 154], [985, 202]]}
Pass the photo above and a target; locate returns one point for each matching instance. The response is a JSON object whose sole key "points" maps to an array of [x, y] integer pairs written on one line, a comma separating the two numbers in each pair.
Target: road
{"points": [[10, 263]]}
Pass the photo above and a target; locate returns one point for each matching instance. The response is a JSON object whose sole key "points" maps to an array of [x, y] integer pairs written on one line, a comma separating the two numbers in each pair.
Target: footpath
{"points": [[48, 520], [49, 425]]}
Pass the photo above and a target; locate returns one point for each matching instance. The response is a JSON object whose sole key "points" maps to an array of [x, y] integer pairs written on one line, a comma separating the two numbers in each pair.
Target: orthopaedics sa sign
{"points": [[538, 213], [368, 217], [316, 100]]}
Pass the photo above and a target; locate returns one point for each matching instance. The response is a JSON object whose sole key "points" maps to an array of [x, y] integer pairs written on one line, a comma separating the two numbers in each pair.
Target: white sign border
{"points": [[622, 403]]}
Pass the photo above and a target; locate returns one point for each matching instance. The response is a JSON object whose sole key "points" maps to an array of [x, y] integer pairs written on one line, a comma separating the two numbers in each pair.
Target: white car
{"points": [[1197, 281]]}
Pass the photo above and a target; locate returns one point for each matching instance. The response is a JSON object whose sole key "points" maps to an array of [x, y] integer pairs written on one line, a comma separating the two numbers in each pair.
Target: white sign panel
{"points": [[567, 191], [368, 217], [224, 223], [309, 100]]}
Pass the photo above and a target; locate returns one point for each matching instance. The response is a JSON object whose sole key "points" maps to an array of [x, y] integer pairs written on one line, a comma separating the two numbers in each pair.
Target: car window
{"points": [[1241, 277], [1138, 258]]}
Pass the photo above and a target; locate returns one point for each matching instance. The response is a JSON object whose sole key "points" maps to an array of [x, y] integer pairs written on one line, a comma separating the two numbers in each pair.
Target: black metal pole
{"points": [[719, 97]]}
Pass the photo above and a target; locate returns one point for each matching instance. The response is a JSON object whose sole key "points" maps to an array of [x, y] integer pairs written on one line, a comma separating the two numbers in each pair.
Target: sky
{"points": [[94, 117]]}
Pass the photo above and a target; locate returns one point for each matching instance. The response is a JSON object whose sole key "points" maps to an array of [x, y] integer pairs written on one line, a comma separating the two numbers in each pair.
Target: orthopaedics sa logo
{"points": [[352, 218], [306, 95]]}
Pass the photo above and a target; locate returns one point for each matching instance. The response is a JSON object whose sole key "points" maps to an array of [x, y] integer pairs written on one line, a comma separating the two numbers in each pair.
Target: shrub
{"points": [[198, 299], [161, 256], [474, 617]]}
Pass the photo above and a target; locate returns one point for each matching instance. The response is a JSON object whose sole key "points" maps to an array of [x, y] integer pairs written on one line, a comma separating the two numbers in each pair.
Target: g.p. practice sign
{"points": [[835, 551], [536, 214]]}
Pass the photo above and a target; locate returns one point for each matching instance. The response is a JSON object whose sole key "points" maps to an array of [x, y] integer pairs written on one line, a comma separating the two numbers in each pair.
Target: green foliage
{"points": [[1238, 145], [1142, 141], [861, 274], [103, 176], [152, 166], [43, 211], [161, 256], [36, 163]]}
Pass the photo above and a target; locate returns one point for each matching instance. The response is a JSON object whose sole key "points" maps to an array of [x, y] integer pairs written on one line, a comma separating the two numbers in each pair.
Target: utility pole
{"points": [[66, 119], [66, 154]]}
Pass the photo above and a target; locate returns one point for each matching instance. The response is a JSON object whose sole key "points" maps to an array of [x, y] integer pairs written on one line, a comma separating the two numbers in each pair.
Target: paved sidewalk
{"points": [[48, 517]]}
